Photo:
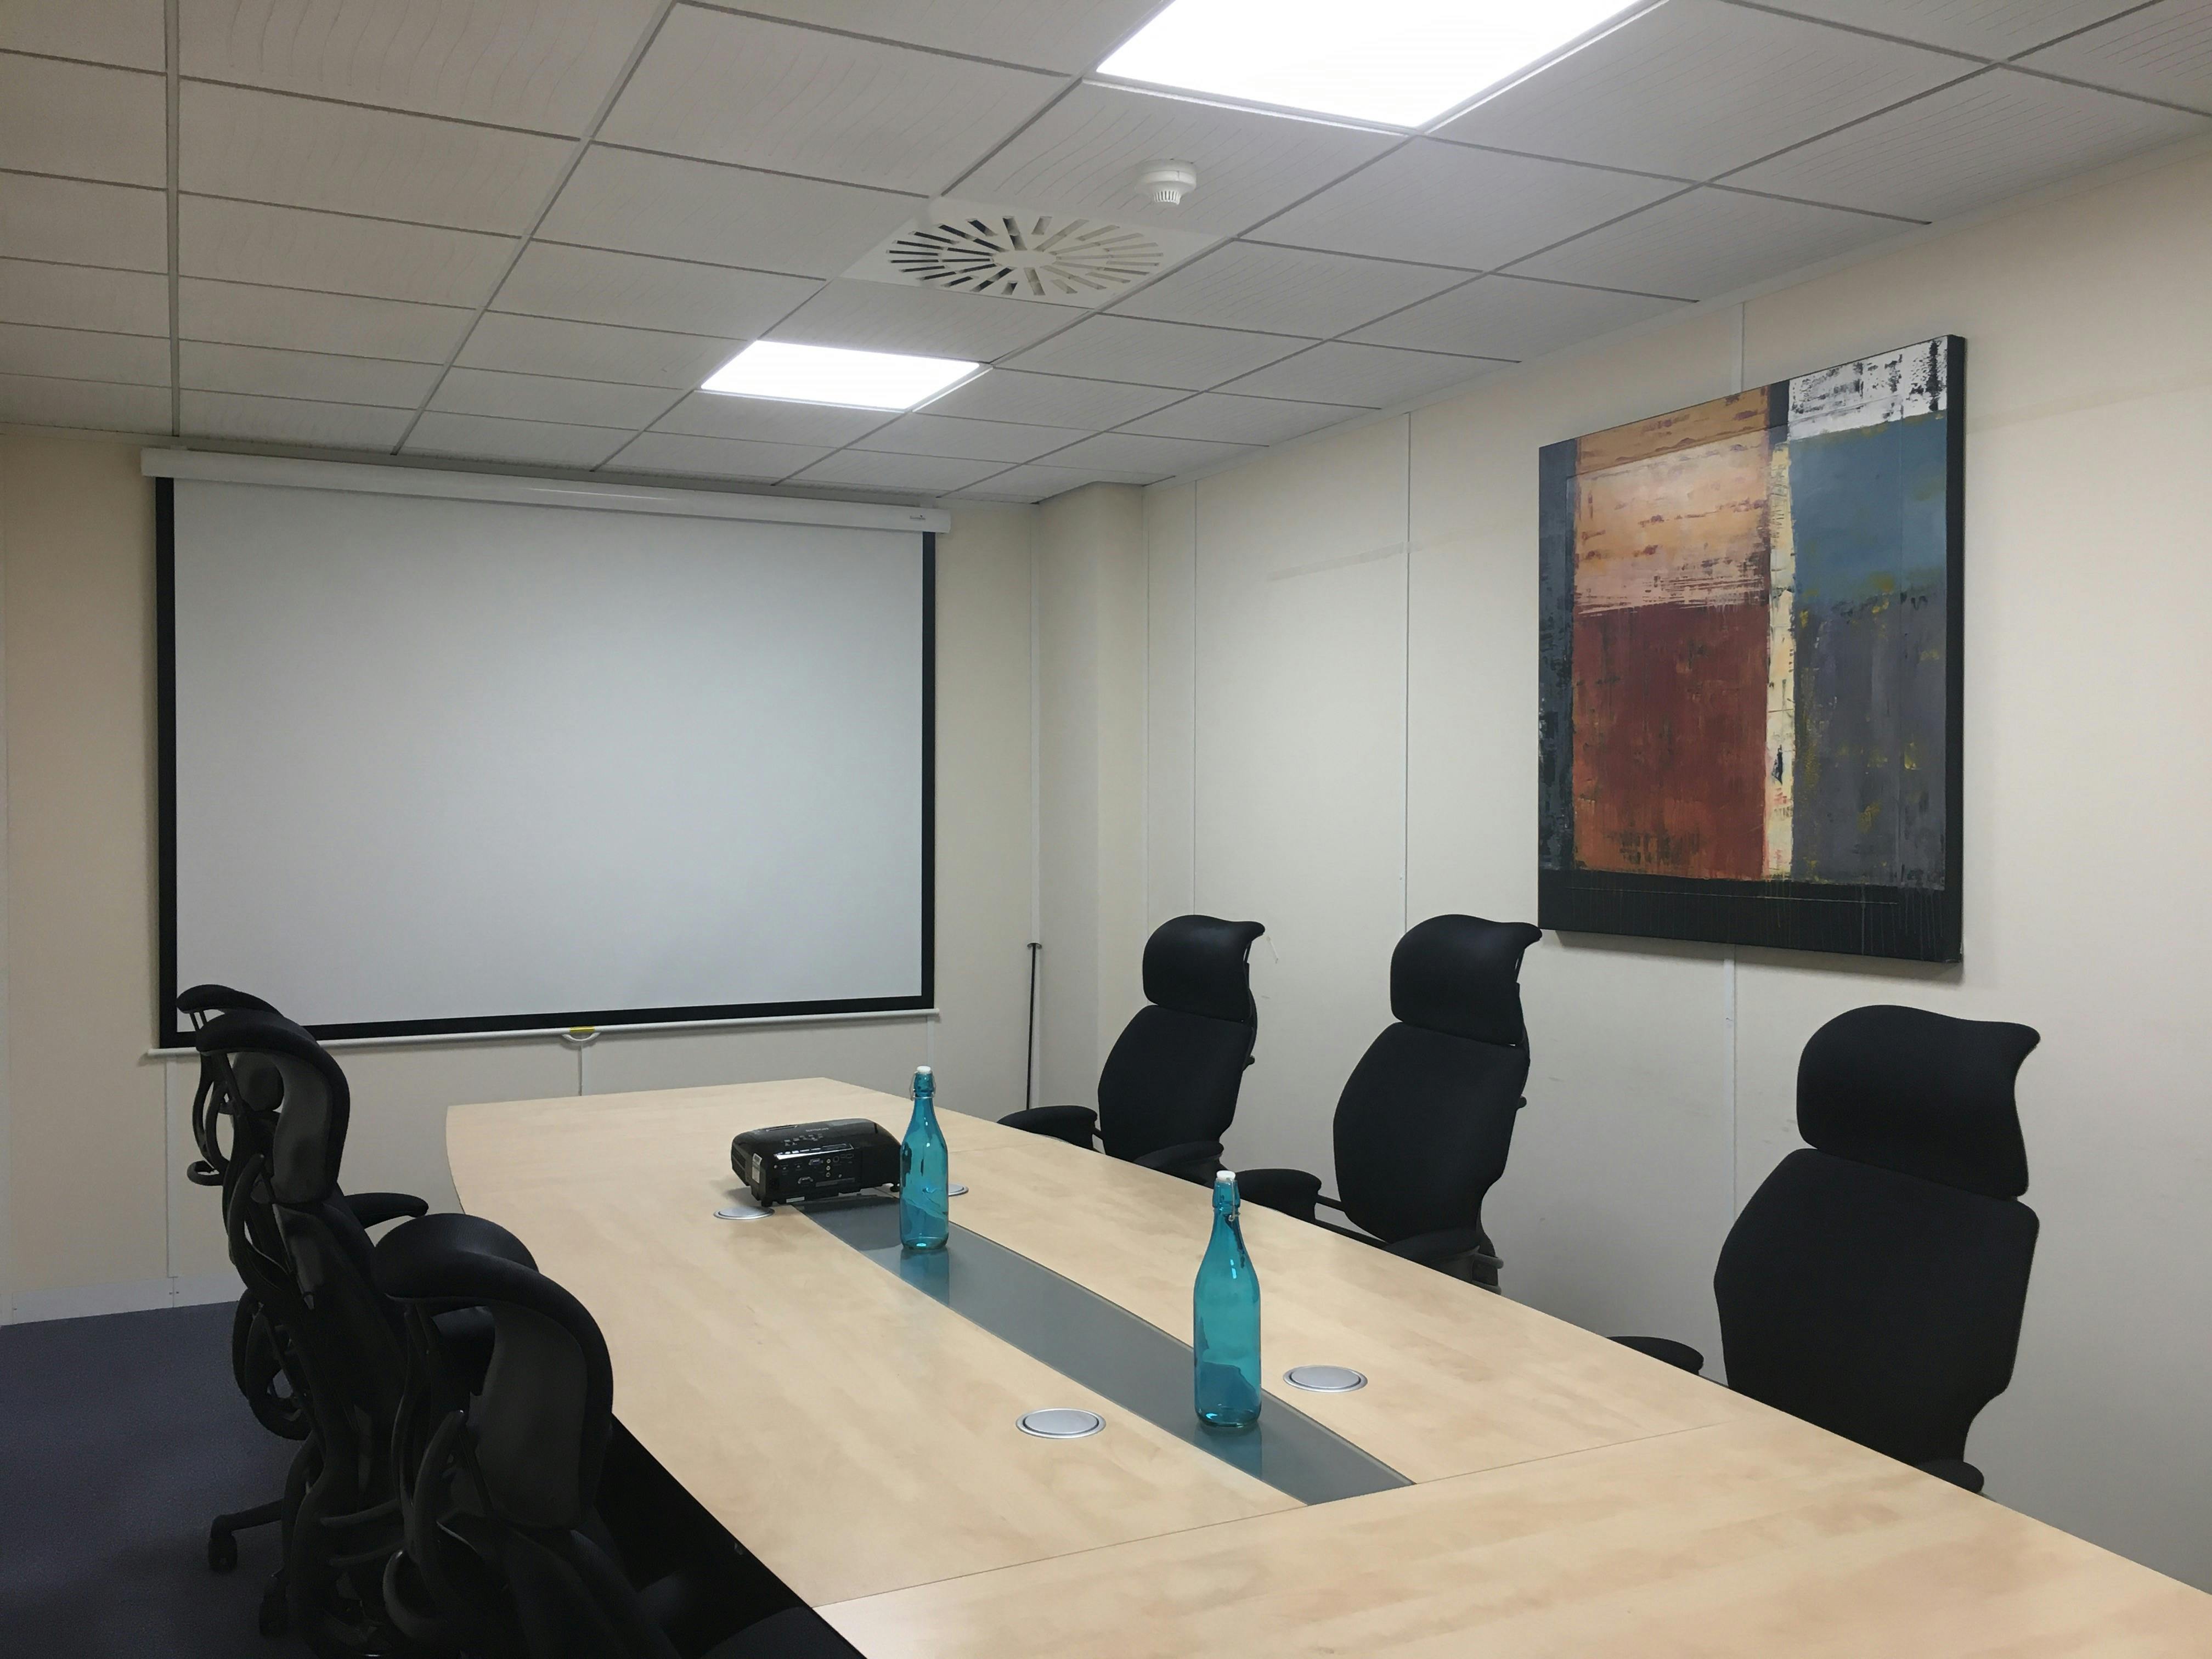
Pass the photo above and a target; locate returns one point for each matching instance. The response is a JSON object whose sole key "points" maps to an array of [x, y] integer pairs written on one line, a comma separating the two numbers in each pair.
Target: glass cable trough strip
{"points": [[1106, 1348]]}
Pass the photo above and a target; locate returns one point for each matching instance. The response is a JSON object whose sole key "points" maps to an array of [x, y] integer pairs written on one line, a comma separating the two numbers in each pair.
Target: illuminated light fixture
{"points": [[832, 375], [1402, 63]]}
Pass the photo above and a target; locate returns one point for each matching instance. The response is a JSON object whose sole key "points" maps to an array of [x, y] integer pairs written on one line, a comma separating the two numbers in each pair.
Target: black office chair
{"points": [[1425, 1119], [1875, 1282], [299, 1245], [1168, 1090], [506, 1550], [234, 1111]]}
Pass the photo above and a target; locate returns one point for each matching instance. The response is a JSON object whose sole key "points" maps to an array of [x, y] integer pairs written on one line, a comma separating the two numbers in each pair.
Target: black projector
{"points": [[814, 1160]]}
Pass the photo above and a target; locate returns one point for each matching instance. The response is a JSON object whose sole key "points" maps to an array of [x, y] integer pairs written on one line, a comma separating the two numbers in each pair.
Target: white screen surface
{"points": [[443, 762]]}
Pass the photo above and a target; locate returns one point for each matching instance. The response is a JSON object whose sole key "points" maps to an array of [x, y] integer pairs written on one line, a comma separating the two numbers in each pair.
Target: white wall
{"points": [[98, 1214], [1340, 685]]}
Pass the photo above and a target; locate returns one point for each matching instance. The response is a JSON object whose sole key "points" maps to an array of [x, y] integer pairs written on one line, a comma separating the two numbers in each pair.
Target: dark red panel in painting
{"points": [[1669, 739]]}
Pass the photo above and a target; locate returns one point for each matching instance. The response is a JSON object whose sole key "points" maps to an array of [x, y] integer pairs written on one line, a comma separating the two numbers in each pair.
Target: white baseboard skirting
{"points": [[137, 1295]]}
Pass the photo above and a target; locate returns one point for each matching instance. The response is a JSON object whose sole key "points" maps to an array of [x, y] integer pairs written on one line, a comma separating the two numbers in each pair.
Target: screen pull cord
{"points": [[580, 1038], [1029, 1054]]}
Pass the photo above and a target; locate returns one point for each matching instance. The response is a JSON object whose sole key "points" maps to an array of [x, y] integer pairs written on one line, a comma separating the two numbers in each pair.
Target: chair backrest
{"points": [[1173, 1075], [513, 1481], [244, 1097], [295, 1240], [1425, 1119], [1875, 1282]]}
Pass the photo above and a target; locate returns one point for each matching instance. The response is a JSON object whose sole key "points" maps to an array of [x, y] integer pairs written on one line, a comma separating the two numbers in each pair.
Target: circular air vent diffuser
{"points": [[1032, 257]]}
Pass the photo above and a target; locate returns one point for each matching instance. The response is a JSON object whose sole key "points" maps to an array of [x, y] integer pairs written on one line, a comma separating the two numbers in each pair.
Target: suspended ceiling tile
{"points": [[240, 314], [547, 64], [1039, 482], [76, 296], [1710, 242], [974, 440], [292, 421], [71, 354], [1374, 377], [1228, 418], [549, 398], [1509, 317], [1987, 28], [1130, 452], [73, 223], [1451, 205], [766, 95], [297, 247], [319, 376], [83, 404], [881, 317], [1284, 290], [1966, 146], [713, 457], [1067, 37], [1695, 88], [83, 121], [590, 286], [2163, 52], [866, 469], [769, 420], [1008, 394], [1155, 354], [725, 215], [299, 152], [131, 33], [593, 351], [1082, 155], [540, 443]]}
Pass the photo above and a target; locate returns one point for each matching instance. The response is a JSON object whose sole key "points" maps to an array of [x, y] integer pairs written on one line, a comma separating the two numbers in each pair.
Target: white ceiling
{"points": [[526, 230]]}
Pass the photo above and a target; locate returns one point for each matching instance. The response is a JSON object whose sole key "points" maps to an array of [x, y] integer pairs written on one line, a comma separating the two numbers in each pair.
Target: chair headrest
{"points": [[276, 1063], [1461, 975], [1921, 1094], [219, 999], [1199, 965], [546, 1410]]}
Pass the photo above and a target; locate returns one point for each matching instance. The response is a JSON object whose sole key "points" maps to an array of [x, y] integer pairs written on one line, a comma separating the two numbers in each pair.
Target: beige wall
{"points": [[1090, 715], [95, 1205], [1328, 714]]}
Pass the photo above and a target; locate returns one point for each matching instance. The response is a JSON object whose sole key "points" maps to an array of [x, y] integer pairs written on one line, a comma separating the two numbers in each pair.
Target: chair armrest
{"points": [[1462, 1252], [1291, 1191], [1659, 1347], [1190, 1160], [373, 1209], [1956, 1470], [1076, 1124]]}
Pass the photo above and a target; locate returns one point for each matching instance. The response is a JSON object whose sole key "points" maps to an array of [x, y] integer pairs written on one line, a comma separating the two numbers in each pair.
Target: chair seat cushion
{"points": [[1660, 1347]]}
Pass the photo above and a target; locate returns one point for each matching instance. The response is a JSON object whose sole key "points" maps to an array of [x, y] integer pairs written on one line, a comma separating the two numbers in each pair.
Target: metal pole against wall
{"points": [[1029, 1063]]}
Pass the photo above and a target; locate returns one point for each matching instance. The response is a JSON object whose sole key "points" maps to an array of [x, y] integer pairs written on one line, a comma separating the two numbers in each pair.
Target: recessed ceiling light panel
{"points": [[1403, 62], [833, 375]]}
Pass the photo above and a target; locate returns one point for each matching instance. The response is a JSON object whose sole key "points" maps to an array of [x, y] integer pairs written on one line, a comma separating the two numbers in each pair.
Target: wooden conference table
{"points": [[1553, 1493]]}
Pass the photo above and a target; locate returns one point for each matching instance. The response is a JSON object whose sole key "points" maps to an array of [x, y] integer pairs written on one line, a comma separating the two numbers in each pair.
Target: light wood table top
{"points": [[1571, 1497]]}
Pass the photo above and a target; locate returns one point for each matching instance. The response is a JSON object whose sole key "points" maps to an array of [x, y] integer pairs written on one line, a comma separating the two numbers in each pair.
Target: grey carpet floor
{"points": [[120, 1438]]}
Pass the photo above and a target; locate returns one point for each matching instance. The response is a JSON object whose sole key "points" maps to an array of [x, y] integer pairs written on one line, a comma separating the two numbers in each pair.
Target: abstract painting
{"points": [[1750, 666]]}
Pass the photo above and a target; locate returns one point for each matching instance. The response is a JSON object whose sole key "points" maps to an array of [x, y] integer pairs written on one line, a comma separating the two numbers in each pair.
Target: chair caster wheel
{"points": [[275, 1618], [222, 1550]]}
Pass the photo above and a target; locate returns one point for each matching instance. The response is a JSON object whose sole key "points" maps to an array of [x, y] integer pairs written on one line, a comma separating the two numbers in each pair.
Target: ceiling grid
{"points": [[525, 233]]}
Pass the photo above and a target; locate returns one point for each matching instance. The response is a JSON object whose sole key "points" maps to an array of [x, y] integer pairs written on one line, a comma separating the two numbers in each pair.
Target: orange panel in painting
{"points": [[1688, 527], [1740, 416]]}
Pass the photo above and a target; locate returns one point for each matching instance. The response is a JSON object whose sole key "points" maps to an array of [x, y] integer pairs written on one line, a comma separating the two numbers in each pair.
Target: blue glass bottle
{"points": [[1224, 1307], [924, 1214]]}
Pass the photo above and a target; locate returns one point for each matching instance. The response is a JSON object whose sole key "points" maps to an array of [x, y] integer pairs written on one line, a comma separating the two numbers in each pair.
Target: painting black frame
{"points": [[1912, 923]]}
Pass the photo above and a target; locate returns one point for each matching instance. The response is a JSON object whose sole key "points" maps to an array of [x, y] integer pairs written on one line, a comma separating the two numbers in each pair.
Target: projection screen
{"points": [[436, 765]]}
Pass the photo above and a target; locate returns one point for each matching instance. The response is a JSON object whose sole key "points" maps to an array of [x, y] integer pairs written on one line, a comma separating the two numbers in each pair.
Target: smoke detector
{"points": [[1165, 183], [1020, 253]]}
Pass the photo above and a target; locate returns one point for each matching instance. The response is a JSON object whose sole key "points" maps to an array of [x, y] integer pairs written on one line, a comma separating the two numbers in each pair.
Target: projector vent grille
{"points": [[1030, 257]]}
